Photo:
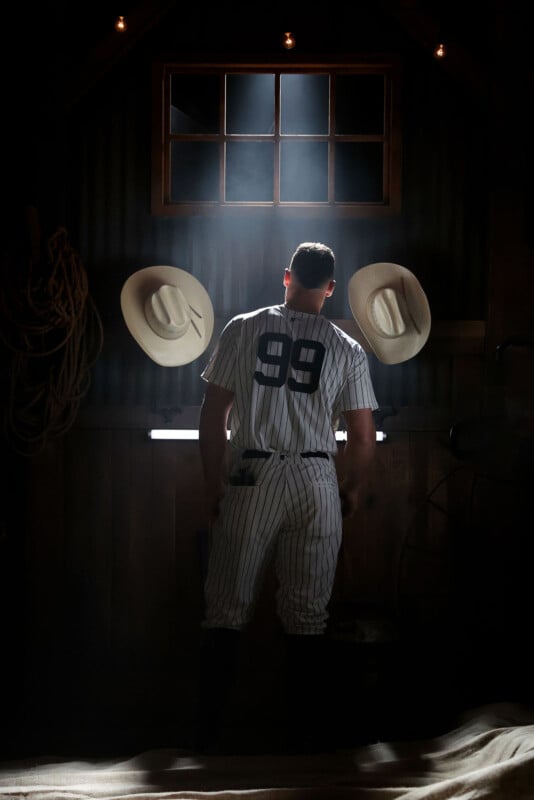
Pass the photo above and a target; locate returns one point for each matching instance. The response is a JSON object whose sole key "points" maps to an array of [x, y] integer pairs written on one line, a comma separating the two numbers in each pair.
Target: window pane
{"points": [[194, 171], [262, 134], [304, 104], [195, 103], [304, 172], [249, 171], [359, 172], [360, 104], [250, 104]]}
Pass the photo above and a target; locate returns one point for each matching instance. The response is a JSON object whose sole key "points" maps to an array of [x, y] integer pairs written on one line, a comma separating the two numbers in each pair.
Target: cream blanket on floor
{"points": [[489, 755]]}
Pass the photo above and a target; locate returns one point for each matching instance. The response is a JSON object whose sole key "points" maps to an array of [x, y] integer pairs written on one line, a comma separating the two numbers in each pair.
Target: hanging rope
{"points": [[53, 333]]}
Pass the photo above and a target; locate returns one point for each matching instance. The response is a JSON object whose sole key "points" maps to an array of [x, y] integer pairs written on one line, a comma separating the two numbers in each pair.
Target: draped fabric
{"points": [[489, 755]]}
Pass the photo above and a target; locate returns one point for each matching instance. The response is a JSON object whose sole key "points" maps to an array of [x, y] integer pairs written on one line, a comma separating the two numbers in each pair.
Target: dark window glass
{"points": [[194, 171], [250, 104], [304, 104], [359, 172], [195, 103], [360, 104], [303, 172], [249, 171]]}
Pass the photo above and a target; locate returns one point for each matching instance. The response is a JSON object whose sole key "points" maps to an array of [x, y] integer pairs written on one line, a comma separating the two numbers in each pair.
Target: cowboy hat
{"points": [[169, 314], [391, 309]]}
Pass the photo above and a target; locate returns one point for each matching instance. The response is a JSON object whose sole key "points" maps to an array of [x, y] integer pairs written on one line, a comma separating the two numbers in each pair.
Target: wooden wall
{"points": [[114, 551], [101, 539]]}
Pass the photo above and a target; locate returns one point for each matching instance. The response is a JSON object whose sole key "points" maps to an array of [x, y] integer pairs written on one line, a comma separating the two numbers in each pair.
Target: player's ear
{"points": [[330, 290], [287, 277]]}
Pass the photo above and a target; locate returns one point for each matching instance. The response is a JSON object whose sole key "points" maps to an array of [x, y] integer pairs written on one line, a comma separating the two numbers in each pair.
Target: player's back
{"points": [[291, 367]]}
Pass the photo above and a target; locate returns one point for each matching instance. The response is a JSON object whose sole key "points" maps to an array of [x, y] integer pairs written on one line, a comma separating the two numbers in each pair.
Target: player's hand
{"points": [[214, 499], [349, 501]]}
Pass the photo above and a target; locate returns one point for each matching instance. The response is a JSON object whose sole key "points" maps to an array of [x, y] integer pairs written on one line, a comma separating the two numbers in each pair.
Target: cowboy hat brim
{"points": [[364, 284], [167, 352]]}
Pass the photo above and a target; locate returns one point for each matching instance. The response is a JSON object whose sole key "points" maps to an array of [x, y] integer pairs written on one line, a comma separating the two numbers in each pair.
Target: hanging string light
{"points": [[288, 41], [121, 25]]}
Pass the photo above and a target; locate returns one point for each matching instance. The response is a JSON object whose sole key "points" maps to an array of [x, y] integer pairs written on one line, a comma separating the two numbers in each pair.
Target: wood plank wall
{"points": [[114, 549], [115, 545]]}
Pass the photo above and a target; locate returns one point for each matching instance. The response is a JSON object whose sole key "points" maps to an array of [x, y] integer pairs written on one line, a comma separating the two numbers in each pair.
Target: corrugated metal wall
{"points": [[440, 233]]}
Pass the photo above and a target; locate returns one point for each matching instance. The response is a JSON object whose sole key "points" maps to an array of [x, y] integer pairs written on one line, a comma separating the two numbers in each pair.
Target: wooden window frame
{"points": [[161, 204]]}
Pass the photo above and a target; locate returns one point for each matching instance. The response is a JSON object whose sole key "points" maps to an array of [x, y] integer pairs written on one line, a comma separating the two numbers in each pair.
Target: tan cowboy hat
{"points": [[169, 314], [391, 309]]}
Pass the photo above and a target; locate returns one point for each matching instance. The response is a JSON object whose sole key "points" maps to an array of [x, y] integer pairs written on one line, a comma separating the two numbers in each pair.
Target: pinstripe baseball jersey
{"points": [[292, 374]]}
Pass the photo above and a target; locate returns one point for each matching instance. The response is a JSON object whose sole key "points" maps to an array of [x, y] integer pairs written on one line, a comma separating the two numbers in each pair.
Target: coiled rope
{"points": [[53, 333]]}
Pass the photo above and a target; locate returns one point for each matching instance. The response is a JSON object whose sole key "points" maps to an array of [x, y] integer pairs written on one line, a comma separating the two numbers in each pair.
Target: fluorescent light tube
{"points": [[185, 434]]}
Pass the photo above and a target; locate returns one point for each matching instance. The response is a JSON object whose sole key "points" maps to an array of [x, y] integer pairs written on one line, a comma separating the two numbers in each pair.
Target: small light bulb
{"points": [[289, 41], [120, 24], [440, 51]]}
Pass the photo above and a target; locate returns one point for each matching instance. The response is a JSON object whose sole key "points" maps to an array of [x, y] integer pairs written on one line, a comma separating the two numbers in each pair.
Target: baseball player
{"points": [[279, 379]]}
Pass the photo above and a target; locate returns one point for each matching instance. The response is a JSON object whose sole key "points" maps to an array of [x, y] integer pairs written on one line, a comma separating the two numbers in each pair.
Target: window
{"points": [[266, 136]]}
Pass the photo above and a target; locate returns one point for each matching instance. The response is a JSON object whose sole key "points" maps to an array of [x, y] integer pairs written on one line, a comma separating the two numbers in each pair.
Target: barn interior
{"points": [[104, 529]]}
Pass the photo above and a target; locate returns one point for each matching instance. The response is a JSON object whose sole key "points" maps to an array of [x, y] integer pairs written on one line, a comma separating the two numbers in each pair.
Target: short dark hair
{"points": [[313, 264]]}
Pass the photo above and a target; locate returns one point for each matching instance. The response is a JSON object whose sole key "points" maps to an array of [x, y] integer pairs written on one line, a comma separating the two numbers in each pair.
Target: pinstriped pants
{"points": [[291, 514]]}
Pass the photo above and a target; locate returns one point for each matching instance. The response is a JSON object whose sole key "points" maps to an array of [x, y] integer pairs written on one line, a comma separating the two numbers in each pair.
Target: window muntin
{"points": [[270, 136]]}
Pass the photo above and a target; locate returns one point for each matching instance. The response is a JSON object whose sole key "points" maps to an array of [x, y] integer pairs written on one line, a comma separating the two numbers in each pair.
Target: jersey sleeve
{"points": [[358, 391], [221, 366]]}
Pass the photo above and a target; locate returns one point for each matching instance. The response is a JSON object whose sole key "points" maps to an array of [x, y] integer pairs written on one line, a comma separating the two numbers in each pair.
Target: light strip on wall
{"points": [[174, 433]]}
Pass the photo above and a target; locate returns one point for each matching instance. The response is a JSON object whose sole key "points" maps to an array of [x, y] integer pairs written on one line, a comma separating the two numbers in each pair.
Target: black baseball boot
{"points": [[219, 656], [307, 690]]}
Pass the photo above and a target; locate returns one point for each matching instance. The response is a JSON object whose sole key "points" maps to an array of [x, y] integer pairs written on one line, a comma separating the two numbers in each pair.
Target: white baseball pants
{"points": [[292, 513]]}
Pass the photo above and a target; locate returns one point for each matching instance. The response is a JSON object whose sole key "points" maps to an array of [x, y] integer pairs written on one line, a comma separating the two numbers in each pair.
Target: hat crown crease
{"points": [[167, 312], [386, 312]]}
